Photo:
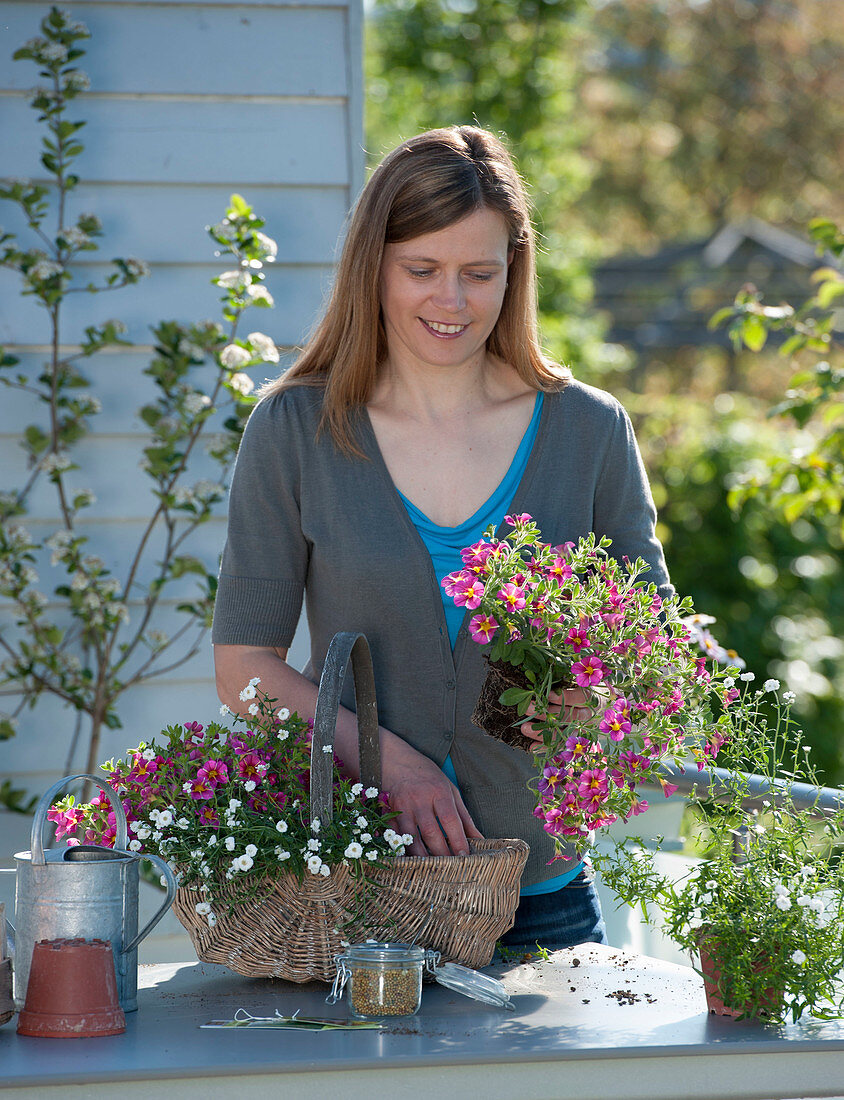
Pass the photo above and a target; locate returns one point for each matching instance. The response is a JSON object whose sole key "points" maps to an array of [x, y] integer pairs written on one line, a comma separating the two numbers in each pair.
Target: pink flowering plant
{"points": [[227, 806], [553, 617]]}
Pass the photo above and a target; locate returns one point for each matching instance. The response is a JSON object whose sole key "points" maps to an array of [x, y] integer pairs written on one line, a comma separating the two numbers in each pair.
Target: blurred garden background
{"points": [[677, 151]]}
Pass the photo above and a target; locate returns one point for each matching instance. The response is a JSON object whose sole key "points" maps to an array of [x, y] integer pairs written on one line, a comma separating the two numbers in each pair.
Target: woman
{"points": [[422, 410]]}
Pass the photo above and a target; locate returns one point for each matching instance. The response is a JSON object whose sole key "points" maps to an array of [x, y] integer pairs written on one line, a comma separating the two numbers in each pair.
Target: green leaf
{"points": [[719, 317], [754, 332], [513, 696]]}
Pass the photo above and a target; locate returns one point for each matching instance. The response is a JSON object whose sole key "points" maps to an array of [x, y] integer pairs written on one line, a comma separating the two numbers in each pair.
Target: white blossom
{"points": [[324, 870], [225, 711], [327, 749], [268, 246], [314, 844], [281, 853], [283, 714], [194, 403], [233, 356], [789, 697], [365, 838], [243, 863], [77, 81], [354, 851], [53, 51], [241, 383], [233, 280], [372, 854], [260, 295], [248, 692], [371, 792], [137, 268], [747, 677], [281, 826], [798, 957], [249, 785], [165, 818], [771, 685], [203, 907], [361, 821], [134, 845], [263, 347], [783, 901], [282, 735], [229, 843], [253, 709], [314, 864]]}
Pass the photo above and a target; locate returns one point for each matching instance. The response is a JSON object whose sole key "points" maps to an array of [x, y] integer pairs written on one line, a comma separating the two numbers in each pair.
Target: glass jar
{"points": [[382, 979]]}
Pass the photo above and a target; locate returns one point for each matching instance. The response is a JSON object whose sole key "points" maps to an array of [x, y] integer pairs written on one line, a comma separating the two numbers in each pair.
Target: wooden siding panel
{"points": [[152, 141], [163, 223], [170, 292], [235, 51]]}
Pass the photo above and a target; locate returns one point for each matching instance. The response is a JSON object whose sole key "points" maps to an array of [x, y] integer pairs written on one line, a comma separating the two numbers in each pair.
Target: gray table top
{"points": [[585, 1003]]}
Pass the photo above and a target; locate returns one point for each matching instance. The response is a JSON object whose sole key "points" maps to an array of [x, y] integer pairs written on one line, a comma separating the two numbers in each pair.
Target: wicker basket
{"points": [[458, 905]]}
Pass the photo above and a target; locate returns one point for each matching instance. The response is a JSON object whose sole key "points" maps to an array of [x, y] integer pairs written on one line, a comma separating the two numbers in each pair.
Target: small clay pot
{"points": [[770, 1002], [72, 991]]}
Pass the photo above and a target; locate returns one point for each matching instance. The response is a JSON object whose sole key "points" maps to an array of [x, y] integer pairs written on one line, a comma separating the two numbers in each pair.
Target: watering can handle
{"points": [[170, 880], [36, 843]]}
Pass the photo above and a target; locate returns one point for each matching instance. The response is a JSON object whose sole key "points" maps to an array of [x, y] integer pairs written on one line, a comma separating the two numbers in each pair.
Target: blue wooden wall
{"points": [[189, 102]]}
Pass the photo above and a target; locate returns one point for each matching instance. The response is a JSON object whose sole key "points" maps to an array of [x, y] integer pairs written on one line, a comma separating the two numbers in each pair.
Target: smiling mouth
{"points": [[444, 330]]}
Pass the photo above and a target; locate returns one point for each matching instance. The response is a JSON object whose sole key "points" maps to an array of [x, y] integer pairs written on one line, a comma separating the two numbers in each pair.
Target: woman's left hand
{"points": [[572, 705]]}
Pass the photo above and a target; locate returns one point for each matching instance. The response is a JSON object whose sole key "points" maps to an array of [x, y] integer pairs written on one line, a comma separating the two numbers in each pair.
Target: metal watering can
{"points": [[87, 891]]}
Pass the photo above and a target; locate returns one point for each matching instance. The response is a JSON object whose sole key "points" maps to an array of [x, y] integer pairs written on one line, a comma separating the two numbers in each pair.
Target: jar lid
{"points": [[382, 951], [471, 983]]}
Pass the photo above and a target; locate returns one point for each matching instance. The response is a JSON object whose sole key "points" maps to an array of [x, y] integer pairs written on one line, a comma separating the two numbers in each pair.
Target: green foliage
{"points": [[809, 484], [776, 589], [767, 899]]}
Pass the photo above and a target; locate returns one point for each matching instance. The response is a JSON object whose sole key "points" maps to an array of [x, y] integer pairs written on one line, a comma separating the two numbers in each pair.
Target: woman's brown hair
{"points": [[428, 183]]}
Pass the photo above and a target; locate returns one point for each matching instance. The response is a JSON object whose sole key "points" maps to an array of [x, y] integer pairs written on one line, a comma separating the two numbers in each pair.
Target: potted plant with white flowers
{"points": [[763, 909]]}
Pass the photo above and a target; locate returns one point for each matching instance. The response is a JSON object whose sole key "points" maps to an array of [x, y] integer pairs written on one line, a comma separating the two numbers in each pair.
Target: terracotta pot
{"points": [[72, 991], [769, 1003]]}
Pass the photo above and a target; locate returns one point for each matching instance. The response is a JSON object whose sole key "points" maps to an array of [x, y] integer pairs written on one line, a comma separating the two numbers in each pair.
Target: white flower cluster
{"points": [[194, 402], [138, 268], [74, 237], [56, 462], [77, 81], [241, 383], [263, 347], [42, 270], [234, 356]]}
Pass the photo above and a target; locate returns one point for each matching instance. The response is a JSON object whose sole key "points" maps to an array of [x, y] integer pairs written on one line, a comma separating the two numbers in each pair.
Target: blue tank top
{"points": [[444, 545]]}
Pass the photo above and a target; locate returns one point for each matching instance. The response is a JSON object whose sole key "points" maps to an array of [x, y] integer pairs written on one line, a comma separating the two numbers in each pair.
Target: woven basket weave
{"points": [[458, 905]]}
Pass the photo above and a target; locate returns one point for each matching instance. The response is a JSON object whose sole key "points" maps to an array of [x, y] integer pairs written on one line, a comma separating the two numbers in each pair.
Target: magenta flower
{"points": [[201, 789], [250, 766], [578, 638], [615, 724], [475, 557], [214, 772], [208, 816], [468, 594], [482, 628], [513, 597], [577, 748], [591, 670], [516, 520], [559, 569]]}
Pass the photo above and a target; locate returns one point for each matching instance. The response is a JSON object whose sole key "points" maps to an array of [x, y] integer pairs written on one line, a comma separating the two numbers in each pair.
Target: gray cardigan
{"points": [[306, 520]]}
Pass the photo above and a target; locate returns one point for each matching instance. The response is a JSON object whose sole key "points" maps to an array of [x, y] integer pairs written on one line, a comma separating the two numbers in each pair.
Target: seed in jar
{"points": [[392, 992]]}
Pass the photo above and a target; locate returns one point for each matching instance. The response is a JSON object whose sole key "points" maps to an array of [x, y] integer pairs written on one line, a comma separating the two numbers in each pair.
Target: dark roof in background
{"points": [[664, 301]]}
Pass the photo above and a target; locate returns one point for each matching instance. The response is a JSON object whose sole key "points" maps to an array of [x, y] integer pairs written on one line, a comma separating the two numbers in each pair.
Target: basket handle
{"points": [[343, 645]]}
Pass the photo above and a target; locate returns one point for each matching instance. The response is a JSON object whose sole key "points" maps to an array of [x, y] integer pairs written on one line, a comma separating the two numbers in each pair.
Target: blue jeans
{"points": [[563, 918]]}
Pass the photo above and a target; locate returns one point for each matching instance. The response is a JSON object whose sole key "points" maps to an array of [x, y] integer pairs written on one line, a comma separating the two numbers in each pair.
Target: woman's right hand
{"points": [[428, 803]]}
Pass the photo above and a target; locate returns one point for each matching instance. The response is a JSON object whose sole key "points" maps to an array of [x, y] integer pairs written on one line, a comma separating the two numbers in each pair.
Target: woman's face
{"points": [[441, 293]]}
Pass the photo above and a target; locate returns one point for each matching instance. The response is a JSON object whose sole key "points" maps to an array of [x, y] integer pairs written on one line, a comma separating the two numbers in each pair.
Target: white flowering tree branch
{"points": [[86, 652]]}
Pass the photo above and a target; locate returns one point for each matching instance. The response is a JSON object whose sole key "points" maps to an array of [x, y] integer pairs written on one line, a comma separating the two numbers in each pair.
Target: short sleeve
{"points": [[624, 508], [265, 559]]}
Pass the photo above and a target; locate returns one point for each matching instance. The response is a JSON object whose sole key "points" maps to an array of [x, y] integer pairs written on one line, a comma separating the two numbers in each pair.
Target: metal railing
{"points": [[758, 789]]}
